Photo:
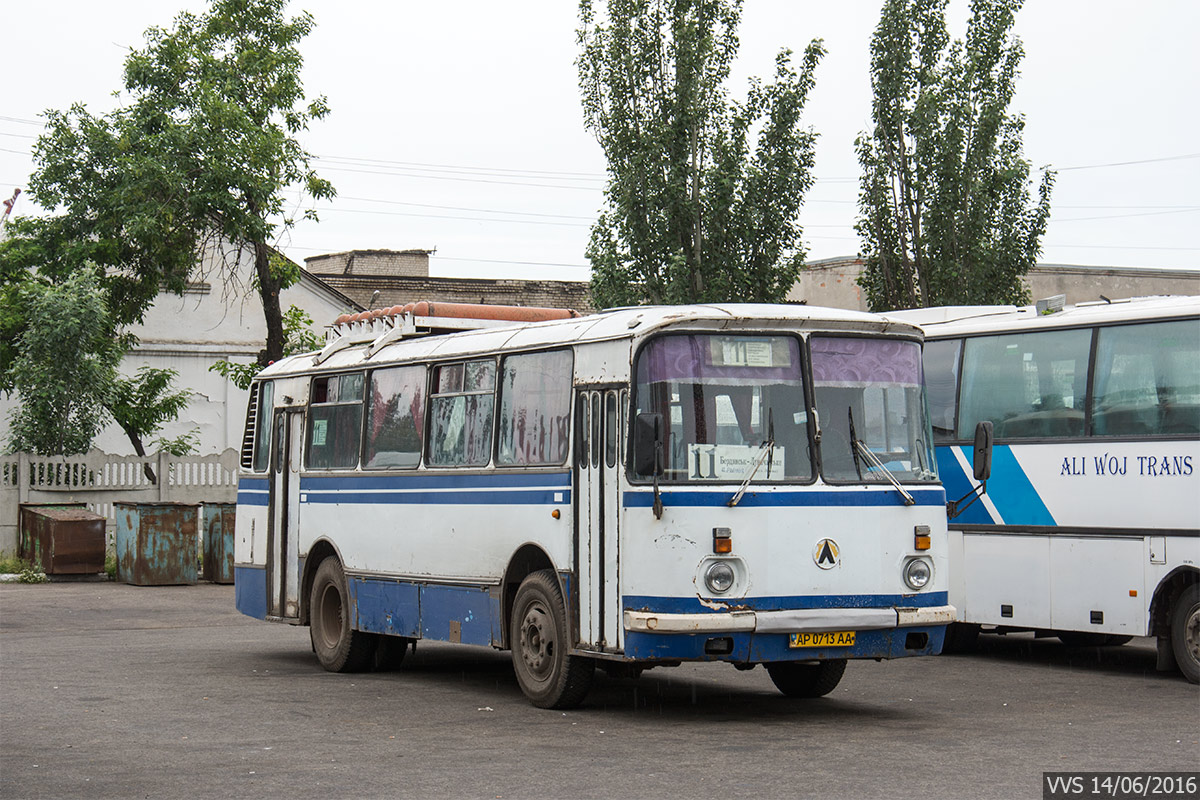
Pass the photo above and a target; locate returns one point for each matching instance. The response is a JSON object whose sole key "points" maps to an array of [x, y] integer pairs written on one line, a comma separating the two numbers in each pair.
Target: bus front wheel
{"points": [[807, 680], [1185, 632], [548, 675], [338, 646]]}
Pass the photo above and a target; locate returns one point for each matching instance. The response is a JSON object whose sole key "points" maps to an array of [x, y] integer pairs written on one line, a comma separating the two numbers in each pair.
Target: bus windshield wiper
{"points": [[858, 447], [767, 449]]}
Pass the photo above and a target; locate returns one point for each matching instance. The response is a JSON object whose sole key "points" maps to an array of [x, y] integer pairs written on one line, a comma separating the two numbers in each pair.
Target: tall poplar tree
{"points": [[945, 216], [704, 192]]}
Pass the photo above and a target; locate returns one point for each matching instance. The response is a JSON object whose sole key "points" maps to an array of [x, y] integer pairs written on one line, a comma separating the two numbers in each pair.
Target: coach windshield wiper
{"points": [[767, 449], [858, 447]]}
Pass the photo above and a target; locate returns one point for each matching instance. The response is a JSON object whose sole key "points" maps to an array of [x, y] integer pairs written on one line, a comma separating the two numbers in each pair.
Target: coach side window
{"points": [[460, 430], [335, 421], [535, 409], [1148, 380], [1030, 385], [395, 418], [941, 381]]}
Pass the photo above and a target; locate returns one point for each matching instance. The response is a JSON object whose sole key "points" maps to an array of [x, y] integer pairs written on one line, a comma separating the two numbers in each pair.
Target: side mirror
{"points": [[647, 444], [983, 451]]}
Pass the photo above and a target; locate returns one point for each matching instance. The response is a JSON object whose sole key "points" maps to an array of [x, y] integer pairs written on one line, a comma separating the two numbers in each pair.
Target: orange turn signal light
{"points": [[921, 540], [722, 541]]}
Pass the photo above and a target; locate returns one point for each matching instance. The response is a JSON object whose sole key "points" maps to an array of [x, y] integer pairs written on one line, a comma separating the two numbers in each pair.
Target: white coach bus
{"points": [[1090, 526], [635, 488]]}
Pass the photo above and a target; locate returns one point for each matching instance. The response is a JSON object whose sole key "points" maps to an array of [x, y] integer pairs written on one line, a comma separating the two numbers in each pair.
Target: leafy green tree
{"points": [[65, 367], [704, 192], [195, 163], [945, 216], [141, 403]]}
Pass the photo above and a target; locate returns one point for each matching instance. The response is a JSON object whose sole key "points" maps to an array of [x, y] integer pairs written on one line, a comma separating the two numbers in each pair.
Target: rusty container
{"points": [[156, 543], [216, 526], [62, 538]]}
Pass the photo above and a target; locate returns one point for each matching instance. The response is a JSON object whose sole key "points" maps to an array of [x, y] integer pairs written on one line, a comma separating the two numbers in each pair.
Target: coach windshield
{"points": [[869, 391], [731, 406]]}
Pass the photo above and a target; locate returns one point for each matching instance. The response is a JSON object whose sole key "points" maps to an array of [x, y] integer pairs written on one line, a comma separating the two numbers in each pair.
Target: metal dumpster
{"points": [[156, 543], [216, 526], [61, 538]]}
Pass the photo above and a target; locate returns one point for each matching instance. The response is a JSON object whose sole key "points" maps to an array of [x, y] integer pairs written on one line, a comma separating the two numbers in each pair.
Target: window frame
{"points": [[310, 422]]}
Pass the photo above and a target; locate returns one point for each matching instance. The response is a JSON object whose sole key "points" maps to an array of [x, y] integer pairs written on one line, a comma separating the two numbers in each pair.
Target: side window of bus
{"points": [[335, 421], [395, 418], [262, 426], [941, 381], [462, 399], [535, 408], [1030, 385], [1148, 380]]}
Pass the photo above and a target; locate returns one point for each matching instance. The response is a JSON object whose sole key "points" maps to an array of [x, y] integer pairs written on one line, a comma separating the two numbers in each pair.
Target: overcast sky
{"points": [[457, 125]]}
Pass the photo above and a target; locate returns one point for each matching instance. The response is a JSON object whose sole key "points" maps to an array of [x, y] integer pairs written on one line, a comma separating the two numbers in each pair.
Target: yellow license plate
{"points": [[825, 639]]}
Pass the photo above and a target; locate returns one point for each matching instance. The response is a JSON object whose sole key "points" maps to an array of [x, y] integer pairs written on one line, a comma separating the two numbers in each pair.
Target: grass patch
{"points": [[11, 565]]}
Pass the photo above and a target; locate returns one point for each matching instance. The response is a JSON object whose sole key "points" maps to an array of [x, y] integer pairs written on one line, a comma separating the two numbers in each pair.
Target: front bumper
{"points": [[803, 620]]}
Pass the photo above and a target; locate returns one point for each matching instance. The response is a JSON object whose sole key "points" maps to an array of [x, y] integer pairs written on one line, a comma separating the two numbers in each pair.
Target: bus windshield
{"points": [[728, 403], [869, 390]]}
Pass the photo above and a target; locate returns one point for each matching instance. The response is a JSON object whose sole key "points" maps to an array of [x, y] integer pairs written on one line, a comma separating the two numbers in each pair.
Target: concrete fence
{"points": [[99, 480]]}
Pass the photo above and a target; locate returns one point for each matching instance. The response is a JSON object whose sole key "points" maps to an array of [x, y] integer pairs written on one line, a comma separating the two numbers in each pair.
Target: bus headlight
{"points": [[917, 573], [719, 577]]}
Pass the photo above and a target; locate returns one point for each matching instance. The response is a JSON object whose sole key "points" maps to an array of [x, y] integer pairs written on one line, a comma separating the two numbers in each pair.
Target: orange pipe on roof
{"points": [[424, 308]]}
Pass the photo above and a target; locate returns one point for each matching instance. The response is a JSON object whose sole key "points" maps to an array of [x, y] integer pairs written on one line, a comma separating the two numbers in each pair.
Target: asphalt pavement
{"points": [[115, 691]]}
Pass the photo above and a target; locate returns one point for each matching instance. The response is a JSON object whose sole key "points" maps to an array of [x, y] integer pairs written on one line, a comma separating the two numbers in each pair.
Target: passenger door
{"points": [[598, 457], [283, 566]]}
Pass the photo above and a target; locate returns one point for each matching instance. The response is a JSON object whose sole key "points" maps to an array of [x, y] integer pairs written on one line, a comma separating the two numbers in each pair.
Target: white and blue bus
{"points": [[635, 488], [1090, 526]]}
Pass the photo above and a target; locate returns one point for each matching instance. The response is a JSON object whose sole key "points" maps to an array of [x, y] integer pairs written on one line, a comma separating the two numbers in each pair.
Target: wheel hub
{"points": [[537, 641]]}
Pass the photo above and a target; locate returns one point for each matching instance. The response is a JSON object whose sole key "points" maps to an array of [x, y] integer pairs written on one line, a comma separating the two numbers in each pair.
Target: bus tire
{"points": [[807, 680], [338, 646], [547, 674], [389, 652], [1185, 632]]}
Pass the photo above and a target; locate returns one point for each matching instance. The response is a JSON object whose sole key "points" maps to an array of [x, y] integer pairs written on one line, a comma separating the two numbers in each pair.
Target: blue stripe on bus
{"points": [[817, 497], [503, 497], [1009, 489], [958, 485], [502, 480], [692, 605]]}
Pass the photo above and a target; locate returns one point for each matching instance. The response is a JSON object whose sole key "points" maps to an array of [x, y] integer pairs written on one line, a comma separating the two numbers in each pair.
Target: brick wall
{"points": [[396, 263]]}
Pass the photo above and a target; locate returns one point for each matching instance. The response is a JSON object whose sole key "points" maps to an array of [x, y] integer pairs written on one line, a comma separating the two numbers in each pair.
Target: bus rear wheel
{"points": [[547, 674], [1185, 632], [338, 646], [807, 680]]}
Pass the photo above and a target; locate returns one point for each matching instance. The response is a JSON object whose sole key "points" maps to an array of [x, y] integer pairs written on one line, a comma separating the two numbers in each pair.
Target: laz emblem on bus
{"points": [[826, 554]]}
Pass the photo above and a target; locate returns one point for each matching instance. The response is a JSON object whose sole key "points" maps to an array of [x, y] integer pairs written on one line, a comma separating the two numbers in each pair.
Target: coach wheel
{"points": [[547, 674], [338, 646], [807, 680], [1185, 632], [389, 652]]}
